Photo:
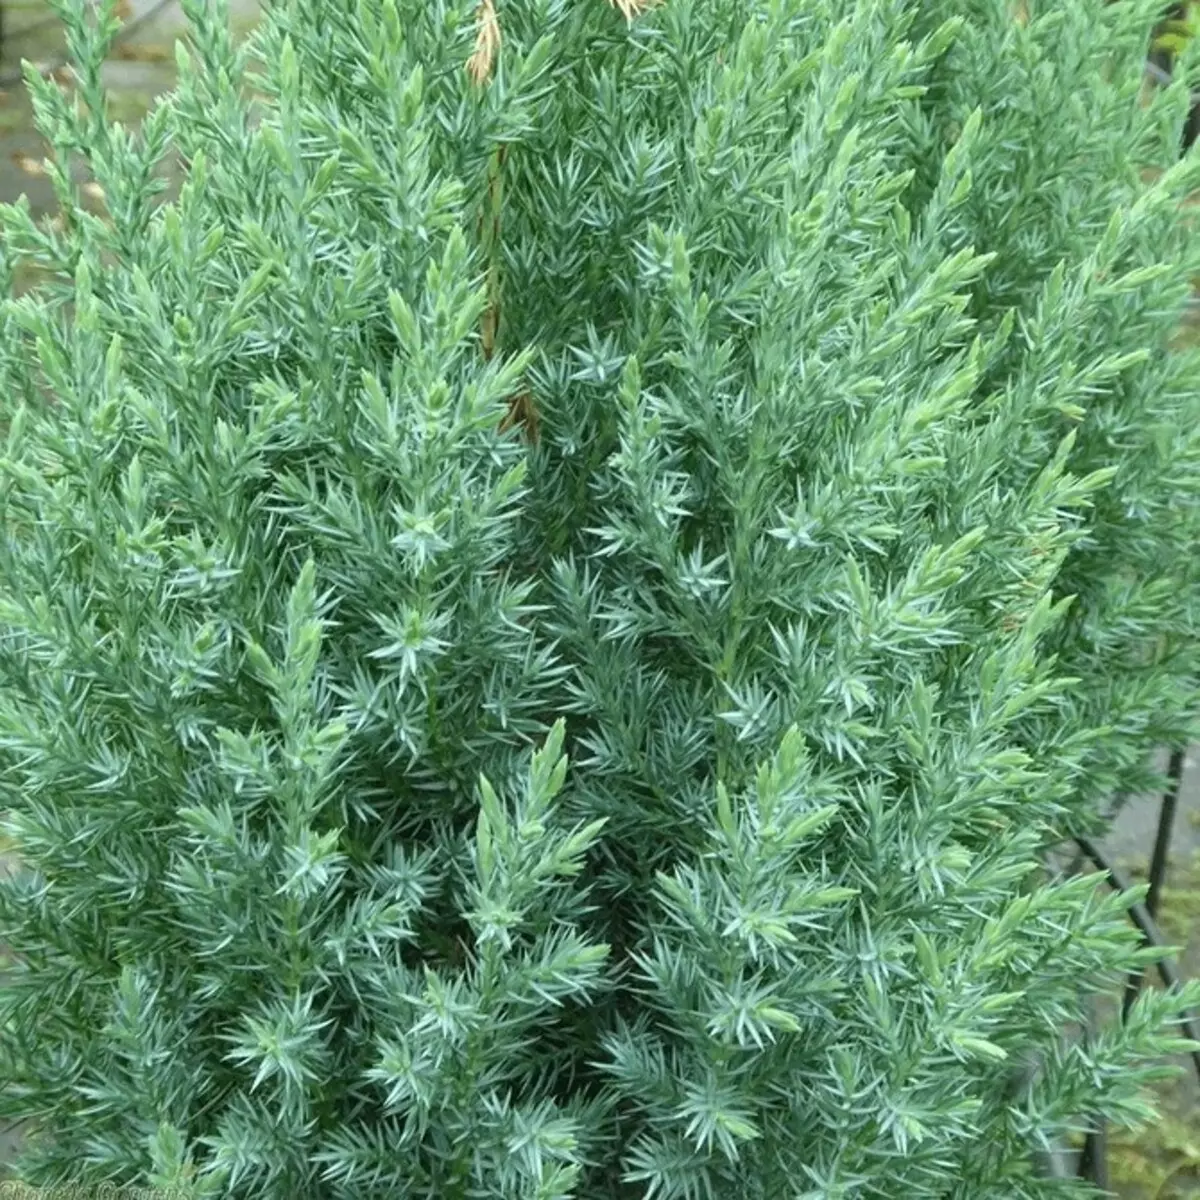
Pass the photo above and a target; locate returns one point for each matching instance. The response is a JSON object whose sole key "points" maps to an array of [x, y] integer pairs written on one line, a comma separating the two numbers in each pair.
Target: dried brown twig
{"points": [[488, 37], [522, 409], [487, 42]]}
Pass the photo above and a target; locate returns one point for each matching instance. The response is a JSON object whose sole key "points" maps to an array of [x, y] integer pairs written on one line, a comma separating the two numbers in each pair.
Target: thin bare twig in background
{"points": [[10, 78]]}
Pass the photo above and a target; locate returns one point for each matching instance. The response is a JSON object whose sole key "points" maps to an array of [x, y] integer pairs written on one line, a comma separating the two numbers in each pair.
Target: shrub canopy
{"points": [[555, 595]]}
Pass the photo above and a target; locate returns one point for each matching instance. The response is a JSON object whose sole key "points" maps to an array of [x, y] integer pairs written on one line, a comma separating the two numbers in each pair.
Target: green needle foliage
{"points": [[553, 600]]}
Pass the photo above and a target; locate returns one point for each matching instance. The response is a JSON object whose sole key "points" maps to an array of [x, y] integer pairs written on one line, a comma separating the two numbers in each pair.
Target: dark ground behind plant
{"points": [[851, 547]]}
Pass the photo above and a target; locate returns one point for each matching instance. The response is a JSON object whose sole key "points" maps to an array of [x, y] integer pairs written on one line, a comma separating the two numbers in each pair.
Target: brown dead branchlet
{"points": [[487, 42], [522, 410], [488, 36]]}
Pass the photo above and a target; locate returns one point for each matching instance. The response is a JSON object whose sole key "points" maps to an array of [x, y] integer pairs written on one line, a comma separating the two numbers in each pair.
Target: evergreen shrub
{"points": [[555, 597]]}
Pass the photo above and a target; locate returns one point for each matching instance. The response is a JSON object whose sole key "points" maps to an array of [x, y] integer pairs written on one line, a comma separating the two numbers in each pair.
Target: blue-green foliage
{"points": [[647, 797]]}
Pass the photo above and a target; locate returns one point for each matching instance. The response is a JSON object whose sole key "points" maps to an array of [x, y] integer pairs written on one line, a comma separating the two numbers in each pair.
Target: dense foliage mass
{"points": [[554, 598]]}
